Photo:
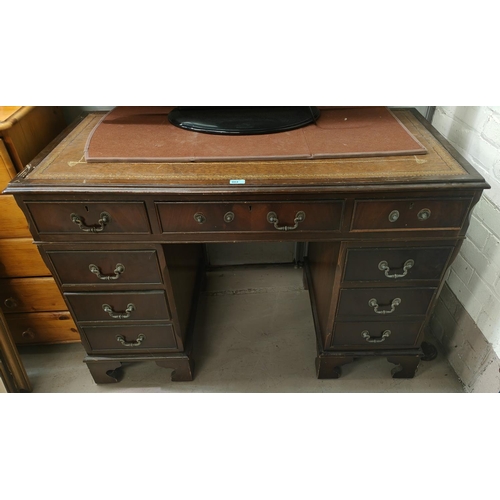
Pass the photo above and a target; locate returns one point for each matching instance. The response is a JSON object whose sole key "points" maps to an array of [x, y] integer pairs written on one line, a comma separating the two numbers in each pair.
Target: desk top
{"points": [[65, 167]]}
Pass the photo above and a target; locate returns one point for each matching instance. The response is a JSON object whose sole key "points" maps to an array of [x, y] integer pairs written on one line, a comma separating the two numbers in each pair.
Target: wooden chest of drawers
{"points": [[125, 244], [29, 297]]}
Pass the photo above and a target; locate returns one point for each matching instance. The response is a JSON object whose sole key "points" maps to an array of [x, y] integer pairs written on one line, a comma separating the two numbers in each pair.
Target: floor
{"points": [[254, 334]]}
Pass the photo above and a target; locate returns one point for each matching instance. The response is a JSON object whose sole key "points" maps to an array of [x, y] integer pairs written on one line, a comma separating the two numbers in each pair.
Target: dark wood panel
{"points": [[134, 338], [416, 263], [399, 334], [58, 217], [409, 214], [412, 301], [322, 261], [204, 217], [109, 266], [184, 265], [147, 305]]}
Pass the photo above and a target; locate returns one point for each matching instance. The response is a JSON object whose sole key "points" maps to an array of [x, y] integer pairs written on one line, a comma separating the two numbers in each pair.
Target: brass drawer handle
{"points": [[10, 303], [228, 217], [373, 303], [366, 336], [119, 269], [384, 266], [101, 223], [393, 216], [107, 308], [199, 218], [424, 214], [136, 343], [272, 218]]}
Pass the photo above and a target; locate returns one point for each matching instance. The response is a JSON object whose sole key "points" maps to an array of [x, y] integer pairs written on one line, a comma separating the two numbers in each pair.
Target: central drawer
{"points": [[257, 217], [122, 306], [106, 267], [384, 303]]}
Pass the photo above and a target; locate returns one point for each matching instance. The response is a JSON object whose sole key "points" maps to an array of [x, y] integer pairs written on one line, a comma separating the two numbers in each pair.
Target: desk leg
{"points": [[406, 366], [183, 368], [330, 366], [104, 372]]}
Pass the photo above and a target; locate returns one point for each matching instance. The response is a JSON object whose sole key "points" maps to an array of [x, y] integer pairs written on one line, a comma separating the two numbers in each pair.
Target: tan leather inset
{"points": [[66, 163]]}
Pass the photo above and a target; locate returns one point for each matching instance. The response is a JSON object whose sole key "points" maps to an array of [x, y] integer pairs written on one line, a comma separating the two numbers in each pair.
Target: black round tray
{"points": [[242, 120]]}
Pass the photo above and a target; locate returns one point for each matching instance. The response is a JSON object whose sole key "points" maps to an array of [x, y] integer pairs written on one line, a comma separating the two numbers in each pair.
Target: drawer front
{"points": [[130, 338], [410, 214], [384, 303], [12, 220], [258, 217], [106, 267], [42, 328], [19, 257], [123, 306], [396, 264], [91, 218], [375, 334], [30, 295]]}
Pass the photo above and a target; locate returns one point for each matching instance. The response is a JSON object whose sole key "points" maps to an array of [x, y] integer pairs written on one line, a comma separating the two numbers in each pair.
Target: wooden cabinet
{"points": [[125, 244], [29, 295], [13, 376]]}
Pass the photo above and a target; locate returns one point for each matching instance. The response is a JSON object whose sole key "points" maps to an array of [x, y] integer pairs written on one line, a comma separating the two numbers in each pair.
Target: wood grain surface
{"points": [[66, 165]]}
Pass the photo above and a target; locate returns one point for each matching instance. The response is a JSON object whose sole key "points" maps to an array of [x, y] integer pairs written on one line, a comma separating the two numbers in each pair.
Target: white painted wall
{"points": [[475, 275]]}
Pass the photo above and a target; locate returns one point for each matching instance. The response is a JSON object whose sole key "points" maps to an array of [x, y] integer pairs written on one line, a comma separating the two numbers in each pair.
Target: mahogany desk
{"points": [[124, 242]]}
